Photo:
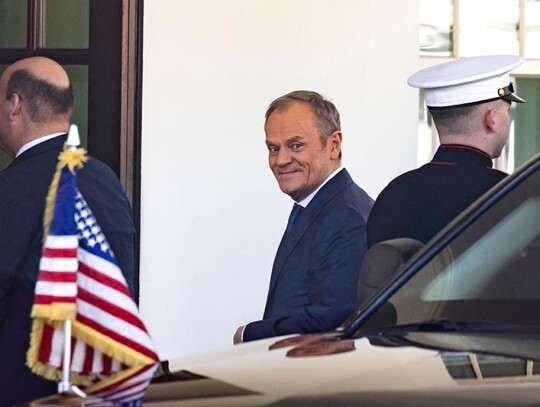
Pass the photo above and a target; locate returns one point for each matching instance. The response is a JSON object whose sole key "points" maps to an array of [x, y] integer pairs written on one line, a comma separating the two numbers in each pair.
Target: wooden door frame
{"points": [[130, 116], [130, 123]]}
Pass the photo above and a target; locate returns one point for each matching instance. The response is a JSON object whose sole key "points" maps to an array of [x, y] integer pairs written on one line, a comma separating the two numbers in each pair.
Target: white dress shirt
{"points": [[37, 141]]}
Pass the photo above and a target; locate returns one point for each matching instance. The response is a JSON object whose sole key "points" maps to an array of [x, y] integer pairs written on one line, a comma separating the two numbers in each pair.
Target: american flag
{"points": [[112, 355]]}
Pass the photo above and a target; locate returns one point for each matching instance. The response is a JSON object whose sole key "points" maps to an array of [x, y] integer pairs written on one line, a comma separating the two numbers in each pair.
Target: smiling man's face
{"points": [[300, 158]]}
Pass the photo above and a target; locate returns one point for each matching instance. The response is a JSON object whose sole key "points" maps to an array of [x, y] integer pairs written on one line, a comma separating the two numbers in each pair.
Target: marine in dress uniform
{"points": [[465, 98]]}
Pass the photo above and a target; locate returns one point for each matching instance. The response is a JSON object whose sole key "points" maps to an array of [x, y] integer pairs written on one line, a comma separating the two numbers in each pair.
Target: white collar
{"points": [[37, 141], [305, 202]]}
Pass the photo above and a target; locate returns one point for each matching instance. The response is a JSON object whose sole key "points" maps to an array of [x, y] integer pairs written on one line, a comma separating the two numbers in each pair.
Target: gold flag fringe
{"points": [[32, 355], [101, 342], [42, 369], [109, 346], [54, 312]]}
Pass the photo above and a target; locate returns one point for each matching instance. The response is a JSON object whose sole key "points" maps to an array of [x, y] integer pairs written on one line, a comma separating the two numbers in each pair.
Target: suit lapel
{"points": [[306, 218]]}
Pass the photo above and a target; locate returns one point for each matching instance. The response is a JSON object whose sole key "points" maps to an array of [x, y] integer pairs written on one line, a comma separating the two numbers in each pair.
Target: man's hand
{"points": [[238, 335]]}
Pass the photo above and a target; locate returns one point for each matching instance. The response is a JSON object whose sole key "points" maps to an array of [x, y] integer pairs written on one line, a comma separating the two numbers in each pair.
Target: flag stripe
{"points": [[129, 394], [89, 271], [107, 363], [140, 348], [59, 264], [63, 252], [45, 351], [60, 277], [62, 241], [57, 348], [109, 309], [77, 357], [49, 299], [97, 362], [108, 294], [56, 289], [98, 263], [135, 376], [89, 356]]}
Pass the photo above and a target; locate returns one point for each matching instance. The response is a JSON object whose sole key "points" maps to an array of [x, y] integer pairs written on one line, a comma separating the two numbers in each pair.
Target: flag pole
{"points": [[65, 386]]}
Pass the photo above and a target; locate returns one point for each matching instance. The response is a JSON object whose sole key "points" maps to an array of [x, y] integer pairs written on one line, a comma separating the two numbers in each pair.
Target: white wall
{"points": [[212, 213]]}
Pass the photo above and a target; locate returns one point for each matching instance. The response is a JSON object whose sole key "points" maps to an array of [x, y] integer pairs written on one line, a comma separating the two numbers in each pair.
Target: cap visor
{"points": [[513, 98]]}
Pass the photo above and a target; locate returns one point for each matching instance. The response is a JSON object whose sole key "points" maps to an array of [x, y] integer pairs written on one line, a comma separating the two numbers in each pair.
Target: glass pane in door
{"points": [[64, 24], [78, 74], [527, 124], [13, 23]]}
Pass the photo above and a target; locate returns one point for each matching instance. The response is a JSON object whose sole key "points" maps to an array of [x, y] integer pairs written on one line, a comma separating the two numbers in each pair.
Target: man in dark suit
{"points": [[469, 100], [315, 274], [36, 101]]}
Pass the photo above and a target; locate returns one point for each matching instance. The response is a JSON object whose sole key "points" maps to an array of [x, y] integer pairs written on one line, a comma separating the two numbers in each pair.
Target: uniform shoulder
{"points": [[403, 179]]}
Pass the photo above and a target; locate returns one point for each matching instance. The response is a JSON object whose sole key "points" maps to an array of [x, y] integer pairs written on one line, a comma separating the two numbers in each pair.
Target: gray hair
{"points": [[326, 113]]}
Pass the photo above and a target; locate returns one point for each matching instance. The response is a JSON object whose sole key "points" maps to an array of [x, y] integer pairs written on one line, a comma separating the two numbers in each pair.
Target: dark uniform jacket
{"points": [[23, 188], [315, 274], [421, 202]]}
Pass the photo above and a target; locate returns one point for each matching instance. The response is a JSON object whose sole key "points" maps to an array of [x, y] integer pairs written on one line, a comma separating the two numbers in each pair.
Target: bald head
{"points": [[36, 99], [43, 87], [43, 68]]}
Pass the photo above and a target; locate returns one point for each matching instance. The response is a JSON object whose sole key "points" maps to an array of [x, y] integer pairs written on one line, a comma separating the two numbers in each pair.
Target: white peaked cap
{"points": [[468, 80]]}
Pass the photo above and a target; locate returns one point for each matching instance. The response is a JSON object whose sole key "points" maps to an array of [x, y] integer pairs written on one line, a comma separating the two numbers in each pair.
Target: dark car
{"points": [[455, 322]]}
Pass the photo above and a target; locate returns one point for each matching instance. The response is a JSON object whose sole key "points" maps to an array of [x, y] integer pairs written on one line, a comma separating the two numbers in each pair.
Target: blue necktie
{"points": [[292, 217]]}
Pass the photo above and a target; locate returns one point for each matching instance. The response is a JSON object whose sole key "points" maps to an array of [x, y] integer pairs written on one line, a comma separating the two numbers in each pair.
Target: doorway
{"points": [[98, 42]]}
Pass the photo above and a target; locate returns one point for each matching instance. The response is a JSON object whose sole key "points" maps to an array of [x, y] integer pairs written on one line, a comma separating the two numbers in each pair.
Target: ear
{"points": [[334, 144], [490, 119], [15, 106]]}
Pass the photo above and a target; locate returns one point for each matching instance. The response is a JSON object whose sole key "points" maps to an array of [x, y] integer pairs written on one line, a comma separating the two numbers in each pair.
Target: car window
{"points": [[470, 366], [489, 272]]}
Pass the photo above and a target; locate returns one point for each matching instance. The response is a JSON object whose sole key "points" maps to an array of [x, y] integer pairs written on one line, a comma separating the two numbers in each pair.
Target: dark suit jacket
{"points": [[23, 188], [421, 202], [315, 275]]}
